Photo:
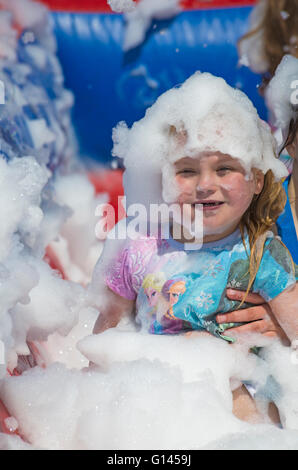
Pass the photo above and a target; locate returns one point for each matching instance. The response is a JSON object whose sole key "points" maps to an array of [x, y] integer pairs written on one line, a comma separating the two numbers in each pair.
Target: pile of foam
{"points": [[282, 94], [8, 36], [35, 120], [43, 202], [143, 390], [77, 246], [204, 114], [139, 16], [35, 302], [26, 13]]}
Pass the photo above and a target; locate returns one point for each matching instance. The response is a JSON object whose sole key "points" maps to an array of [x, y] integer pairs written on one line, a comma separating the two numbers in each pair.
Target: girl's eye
{"points": [[224, 169], [186, 171]]}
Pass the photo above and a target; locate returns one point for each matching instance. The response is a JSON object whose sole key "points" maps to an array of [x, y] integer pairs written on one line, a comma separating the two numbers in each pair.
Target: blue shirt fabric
{"points": [[194, 294], [286, 227]]}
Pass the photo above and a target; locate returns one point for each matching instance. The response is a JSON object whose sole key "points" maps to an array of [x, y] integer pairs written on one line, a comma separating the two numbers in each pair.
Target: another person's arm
{"points": [[258, 319], [275, 275], [285, 310]]}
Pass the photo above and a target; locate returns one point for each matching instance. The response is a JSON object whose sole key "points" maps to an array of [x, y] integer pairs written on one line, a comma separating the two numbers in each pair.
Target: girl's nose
{"points": [[206, 182]]}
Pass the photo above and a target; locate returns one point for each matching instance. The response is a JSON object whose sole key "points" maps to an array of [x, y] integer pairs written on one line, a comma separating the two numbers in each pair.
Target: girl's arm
{"points": [[285, 310], [114, 309]]}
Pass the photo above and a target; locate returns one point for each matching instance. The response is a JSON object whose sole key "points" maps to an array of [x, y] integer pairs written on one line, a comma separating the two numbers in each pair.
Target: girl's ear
{"points": [[259, 181]]}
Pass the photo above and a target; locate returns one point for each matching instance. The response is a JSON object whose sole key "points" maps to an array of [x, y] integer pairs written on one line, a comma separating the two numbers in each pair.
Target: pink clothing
{"points": [[142, 257], [126, 275]]}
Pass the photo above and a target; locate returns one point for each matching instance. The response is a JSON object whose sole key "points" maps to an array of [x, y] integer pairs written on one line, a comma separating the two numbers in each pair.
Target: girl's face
{"points": [[219, 183]]}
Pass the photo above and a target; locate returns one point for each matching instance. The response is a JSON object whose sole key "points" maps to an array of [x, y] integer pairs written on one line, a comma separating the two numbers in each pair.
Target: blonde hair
{"points": [[279, 28], [260, 217], [154, 281]]}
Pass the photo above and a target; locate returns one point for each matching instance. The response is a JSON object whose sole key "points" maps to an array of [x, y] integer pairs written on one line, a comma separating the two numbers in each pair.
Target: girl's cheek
{"points": [[185, 186], [236, 183], [240, 195], [180, 181]]}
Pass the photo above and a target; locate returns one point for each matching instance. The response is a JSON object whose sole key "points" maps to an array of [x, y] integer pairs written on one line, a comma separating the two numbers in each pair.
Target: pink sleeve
{"points": [[125, 276], [118, 276]]}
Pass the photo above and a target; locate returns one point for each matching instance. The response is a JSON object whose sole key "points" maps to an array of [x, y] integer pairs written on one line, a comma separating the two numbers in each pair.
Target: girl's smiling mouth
{"points": [[208, 204]]}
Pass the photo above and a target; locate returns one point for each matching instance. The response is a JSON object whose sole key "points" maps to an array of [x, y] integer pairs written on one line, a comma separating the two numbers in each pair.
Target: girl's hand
{"points": [[113, 311], [260, 315]]}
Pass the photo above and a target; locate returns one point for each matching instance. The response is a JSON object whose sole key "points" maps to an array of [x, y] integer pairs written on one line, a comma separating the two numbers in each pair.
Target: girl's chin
{"points": [[224, 231]]}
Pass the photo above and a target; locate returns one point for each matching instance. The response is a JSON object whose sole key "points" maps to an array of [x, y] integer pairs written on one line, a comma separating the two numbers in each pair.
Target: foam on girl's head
{"points": [[281, 94], [204, 114]]}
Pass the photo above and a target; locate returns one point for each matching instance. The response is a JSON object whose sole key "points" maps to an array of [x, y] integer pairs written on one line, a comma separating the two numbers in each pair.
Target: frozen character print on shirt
{"points": [[152, 285], [166, 321]]}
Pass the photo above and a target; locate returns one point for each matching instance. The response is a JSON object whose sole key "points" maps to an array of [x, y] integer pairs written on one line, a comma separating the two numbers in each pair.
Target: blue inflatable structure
{"points": [[110, 85]]}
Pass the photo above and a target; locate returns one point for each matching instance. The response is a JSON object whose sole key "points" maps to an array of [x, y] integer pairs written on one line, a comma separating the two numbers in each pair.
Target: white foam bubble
{"points": [[281, 93], [121, 6], [139, 19]]}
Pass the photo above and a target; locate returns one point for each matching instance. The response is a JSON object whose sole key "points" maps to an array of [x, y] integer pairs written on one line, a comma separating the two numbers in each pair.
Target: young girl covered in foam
{"points": [[200, 145]]}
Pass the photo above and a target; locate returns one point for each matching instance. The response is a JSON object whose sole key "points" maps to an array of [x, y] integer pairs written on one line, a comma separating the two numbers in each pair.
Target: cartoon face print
{"points": [[171, 291], [174, 297], [152, 296], [175, 291]]}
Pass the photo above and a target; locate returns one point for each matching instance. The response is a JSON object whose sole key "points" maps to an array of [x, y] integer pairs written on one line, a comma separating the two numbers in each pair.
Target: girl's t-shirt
{"points": [[180, 289]]}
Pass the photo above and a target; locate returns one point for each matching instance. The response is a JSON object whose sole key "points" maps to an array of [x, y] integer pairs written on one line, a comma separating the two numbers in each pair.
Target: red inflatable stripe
{"points": [[202, 4], [103, 7]]}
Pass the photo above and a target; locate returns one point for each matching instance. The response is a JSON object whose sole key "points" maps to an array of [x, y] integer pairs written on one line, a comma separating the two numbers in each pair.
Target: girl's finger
{"points": [[271, 334], [246, 315], [260, 326]]}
